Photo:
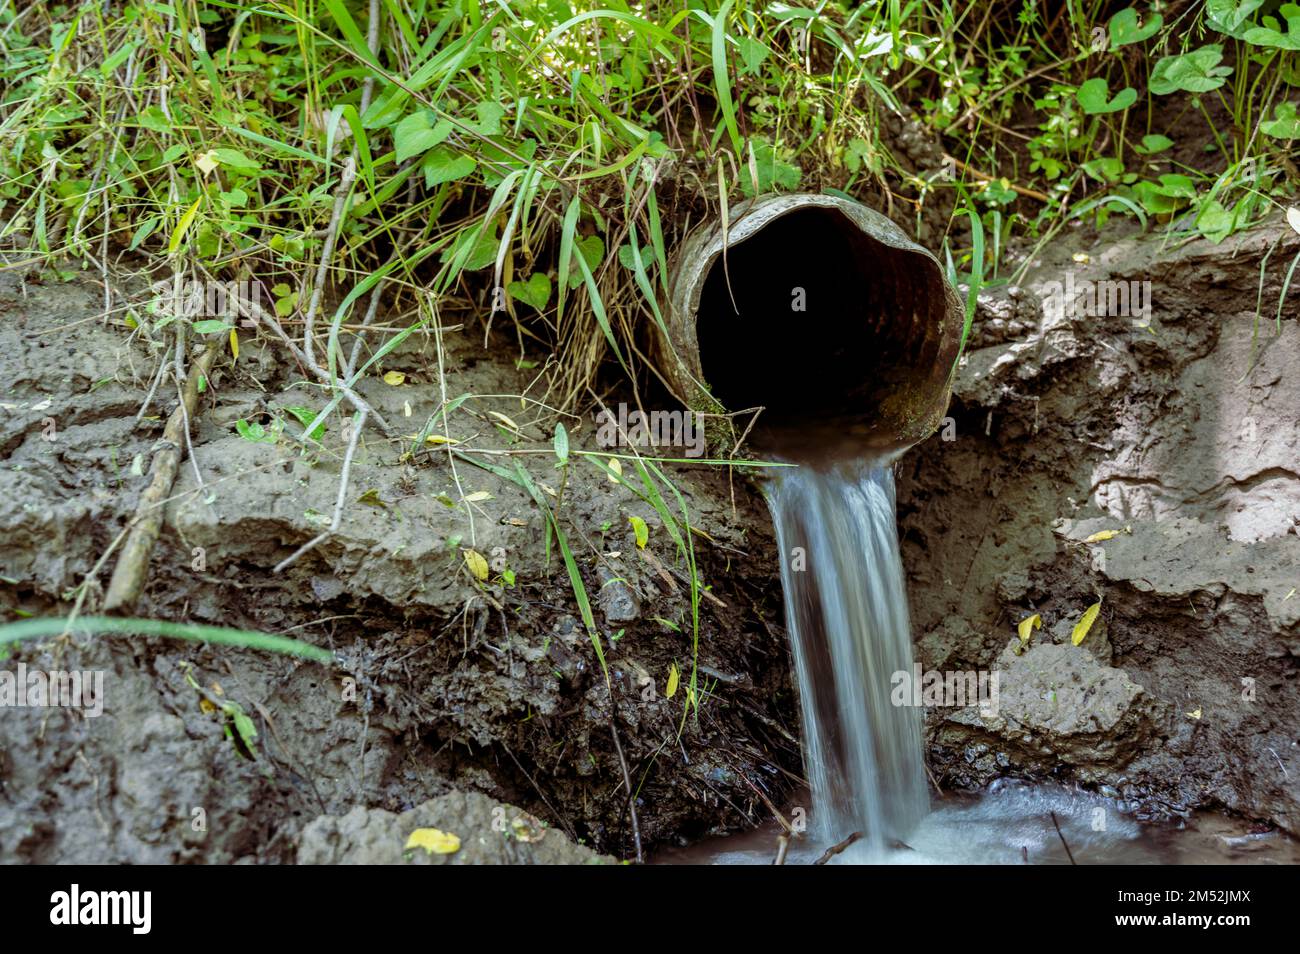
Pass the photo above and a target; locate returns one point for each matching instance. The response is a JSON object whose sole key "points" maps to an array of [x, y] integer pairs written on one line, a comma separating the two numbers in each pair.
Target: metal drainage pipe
{"points": [[822, 312]]}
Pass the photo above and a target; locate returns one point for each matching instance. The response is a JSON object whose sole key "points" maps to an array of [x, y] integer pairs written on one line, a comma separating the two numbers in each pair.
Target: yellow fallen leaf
{"points": [[527, 829], [617, 468], [234, 344], [1085, 623], [207, 161], [504, 420], [1101, 535], [1027, 626], [477, 565], [1081, 257], [434, 841], [674, 677], [394, 378], [641, 530], [1194, 714], [476, 496], [431, 439]]}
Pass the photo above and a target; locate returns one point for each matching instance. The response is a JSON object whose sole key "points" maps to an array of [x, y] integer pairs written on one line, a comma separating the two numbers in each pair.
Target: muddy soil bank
{"points": [[1179, 430], [449, 686], [445, 682]]}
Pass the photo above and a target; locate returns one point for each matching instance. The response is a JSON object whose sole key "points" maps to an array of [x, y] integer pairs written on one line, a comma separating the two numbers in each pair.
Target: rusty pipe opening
{"points": [[822, 312]]}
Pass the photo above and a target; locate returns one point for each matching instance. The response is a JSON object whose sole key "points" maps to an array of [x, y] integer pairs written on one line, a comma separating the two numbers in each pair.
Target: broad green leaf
{"points": [[592, 250], [752, 54], [1284, 124], [1271, 35], [442, 164], [1195, 72], [1094, 97], [536, 291], [1152, 144], [234, 159], [1124, 27], [1214, 221], [1230, 16], [489, 118], [772, 173], [417, 134]]}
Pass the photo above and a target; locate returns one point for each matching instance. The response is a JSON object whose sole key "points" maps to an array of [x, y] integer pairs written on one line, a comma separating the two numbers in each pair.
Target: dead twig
{"points": [[782, 846], [133, 565], [627, 778], [1068, 853], [834, 850]]}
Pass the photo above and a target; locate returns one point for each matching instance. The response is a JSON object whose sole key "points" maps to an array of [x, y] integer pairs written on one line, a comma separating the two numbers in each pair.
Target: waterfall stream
{"points": [[846, 611]]}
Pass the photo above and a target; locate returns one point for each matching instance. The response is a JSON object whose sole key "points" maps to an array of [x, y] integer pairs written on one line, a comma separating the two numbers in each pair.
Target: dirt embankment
{"points": [[445, 683], [1179, 431], [1062, 426]]}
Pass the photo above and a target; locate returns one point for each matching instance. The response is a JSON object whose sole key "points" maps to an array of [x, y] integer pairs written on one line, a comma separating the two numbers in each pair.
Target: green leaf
{"points": [[210, 326], [1177, 185], [1105, 169], [1094, 97], [1124, 27], [1284, 125], [489, 118], [243, 728], [417, 134], [772, 173], [236, 160], [1195, 72], [252, 431], [752, 54], [483, 251], [1152, 144], [1214, 221], [305, 416], [442, 164], [536, 291], [561, 444], [1154, 200], [1229, 16], [592, 250], [1272, 36]]}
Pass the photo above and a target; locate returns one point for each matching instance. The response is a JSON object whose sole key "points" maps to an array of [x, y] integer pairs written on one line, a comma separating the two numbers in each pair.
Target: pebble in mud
{"points": [[617, 601]]}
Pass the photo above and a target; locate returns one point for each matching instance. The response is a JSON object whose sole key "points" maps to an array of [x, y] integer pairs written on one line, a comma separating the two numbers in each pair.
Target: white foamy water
{"points": [[846, 612]]}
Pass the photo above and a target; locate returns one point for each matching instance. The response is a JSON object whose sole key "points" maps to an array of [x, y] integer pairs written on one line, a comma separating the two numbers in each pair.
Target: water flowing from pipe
{"points": [[846, 611]]}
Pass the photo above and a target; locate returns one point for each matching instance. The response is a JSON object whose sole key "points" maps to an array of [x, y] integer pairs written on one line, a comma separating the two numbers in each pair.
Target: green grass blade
{"points": [[219, 635]]}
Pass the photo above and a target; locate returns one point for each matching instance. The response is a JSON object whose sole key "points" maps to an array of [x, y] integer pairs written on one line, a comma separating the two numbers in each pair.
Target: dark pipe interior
{"points": [[866, 331]]}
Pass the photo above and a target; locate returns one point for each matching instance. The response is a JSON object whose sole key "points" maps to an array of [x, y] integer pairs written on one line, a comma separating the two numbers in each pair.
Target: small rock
{"points": [[617, 601]]}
